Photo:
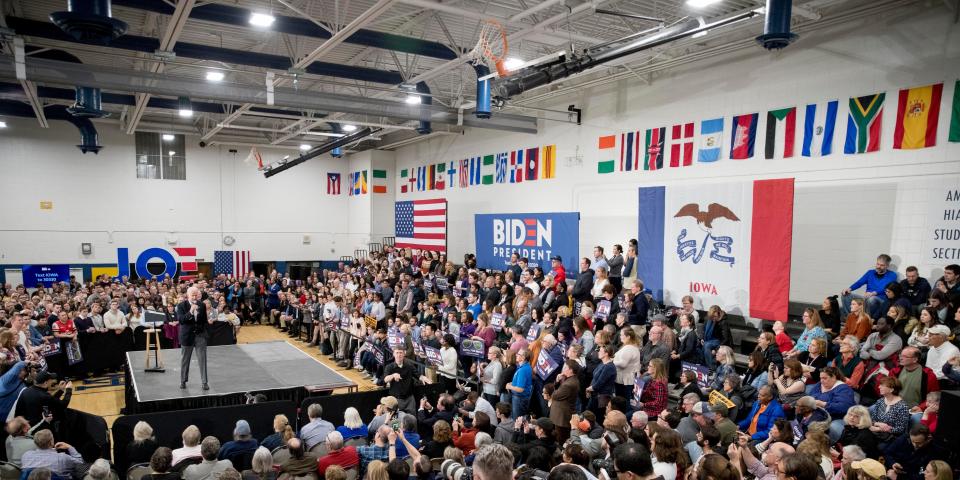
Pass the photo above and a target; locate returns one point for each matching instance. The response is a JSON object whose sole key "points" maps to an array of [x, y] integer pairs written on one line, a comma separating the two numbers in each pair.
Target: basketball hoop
{"points": [[491, 47]]}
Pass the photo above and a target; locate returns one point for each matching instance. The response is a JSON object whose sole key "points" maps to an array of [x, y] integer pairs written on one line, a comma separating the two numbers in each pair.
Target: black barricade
{"points": [[365, 403], [218, 422]]}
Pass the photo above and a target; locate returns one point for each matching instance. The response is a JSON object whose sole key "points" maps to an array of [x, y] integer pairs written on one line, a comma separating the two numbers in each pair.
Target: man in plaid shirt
{"points": [[380, 450]]}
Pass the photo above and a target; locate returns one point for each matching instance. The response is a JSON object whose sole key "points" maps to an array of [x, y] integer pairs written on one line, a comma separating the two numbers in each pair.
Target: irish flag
{"points": [[379, 181], [726, 244]]}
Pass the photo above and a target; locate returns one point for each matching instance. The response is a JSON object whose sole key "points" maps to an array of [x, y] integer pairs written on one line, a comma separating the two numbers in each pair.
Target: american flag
{"points": [[231, 262], [422, 224]]}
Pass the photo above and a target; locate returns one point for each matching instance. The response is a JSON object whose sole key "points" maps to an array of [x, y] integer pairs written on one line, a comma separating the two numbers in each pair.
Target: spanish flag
{"points": [[917, 114]]}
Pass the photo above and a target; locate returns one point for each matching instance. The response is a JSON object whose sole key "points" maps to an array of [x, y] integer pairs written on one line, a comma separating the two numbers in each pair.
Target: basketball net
{"points": [[491, 47]]}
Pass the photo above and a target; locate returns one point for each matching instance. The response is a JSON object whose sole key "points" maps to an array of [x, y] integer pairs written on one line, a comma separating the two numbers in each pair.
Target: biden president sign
{"points": [[536, 236]]}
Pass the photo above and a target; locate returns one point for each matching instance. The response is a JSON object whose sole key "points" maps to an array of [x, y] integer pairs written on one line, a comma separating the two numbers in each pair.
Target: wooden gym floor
{"points": [[104, 395]]}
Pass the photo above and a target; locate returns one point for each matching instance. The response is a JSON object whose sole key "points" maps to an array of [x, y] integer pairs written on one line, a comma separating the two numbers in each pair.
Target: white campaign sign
{"points": [[941, 239]]}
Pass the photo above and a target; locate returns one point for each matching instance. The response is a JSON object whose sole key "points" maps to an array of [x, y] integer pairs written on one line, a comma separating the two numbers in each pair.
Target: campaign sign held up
{"points": [[536, 236], [45, 275]]}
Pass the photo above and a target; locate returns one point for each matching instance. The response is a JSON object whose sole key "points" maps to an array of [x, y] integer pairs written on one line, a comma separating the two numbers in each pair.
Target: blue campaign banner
{"points": [[537, 236], [46, 275]]}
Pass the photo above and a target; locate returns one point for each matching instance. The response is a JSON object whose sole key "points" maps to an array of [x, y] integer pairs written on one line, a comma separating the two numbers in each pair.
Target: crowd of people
{"points": [[545, 374]]}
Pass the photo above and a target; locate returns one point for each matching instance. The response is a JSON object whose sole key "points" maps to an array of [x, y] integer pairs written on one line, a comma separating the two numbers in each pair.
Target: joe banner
{"points": [[536, 236]]}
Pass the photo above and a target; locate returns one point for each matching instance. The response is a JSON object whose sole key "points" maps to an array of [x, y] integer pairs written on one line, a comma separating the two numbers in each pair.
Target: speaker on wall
{"points": [[86, 248]]}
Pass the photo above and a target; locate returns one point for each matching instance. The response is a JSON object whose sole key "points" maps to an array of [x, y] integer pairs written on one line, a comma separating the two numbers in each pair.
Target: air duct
{"points": [[776, 25], [89, 21], [482, 109], [88, 133], [337, 152], [87, 100], [425, 127], [540, 75]]}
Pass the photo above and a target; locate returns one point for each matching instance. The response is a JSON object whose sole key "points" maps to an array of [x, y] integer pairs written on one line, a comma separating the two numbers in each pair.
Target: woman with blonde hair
{"points": [[938, 470], [856, 430], [816, 445], [377, 470], [353, 426], [903, 322], [141, 448], [490, 374], [282, 431], [725, 366], [813, 328], [261, 466]]}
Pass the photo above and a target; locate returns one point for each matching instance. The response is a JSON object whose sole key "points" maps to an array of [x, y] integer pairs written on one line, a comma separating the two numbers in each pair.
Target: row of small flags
{"points": [[918, 111], [358, 182], [515, 166]]}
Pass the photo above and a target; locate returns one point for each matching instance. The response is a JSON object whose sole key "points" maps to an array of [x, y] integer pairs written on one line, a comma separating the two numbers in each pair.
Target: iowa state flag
{"points": [[726, 244], [743, 136], [781, 133], [918, 111], [864, 124]]}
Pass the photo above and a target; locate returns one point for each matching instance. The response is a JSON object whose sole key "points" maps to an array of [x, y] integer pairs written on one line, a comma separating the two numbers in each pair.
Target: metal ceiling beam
{"points": [[539, 27], [336, 39], [29, 88], [473, 14], [167, 41], [341, 36], [545, 4], [122, 80]]}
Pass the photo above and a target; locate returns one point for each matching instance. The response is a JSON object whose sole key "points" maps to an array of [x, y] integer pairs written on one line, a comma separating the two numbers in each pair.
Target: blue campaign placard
{"points": [[45, 275], [536, 236]]}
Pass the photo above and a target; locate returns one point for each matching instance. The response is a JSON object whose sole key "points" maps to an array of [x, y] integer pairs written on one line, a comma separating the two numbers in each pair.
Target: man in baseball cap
{"points": [[941, 350], [559, 273]]}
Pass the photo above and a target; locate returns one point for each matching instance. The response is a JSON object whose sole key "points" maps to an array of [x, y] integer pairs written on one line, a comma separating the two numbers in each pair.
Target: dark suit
{"points": [[193, 334]]}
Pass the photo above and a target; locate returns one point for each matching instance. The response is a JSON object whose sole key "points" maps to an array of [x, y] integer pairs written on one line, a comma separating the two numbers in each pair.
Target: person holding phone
{"points": [[47, 396]]}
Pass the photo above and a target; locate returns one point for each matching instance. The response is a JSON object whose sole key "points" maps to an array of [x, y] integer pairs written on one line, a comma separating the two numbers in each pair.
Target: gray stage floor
{"points": [[250, 367]]}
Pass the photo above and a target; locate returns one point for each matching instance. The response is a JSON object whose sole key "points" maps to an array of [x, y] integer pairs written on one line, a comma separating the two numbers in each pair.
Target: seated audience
{"points": [[317, 429], [353, 426], [337, 454], [143, 445], [300, 463], [760, 420], [874, 282], [261, 467], [856, 430], [282, 431], [160, 464], [890, 414], [191, 445], [20, 438], [210, 468], [242, 444], [60, 458], [907, 457]]}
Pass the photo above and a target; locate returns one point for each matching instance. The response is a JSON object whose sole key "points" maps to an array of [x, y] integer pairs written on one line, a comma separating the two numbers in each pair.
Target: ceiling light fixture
{"points": [[186, 109], [214, 76], [172, 152], [168, 137], [413, 99], [258, 19], [700, 3], [3, 124], [513, 63], [304, 147], [349, 128]]}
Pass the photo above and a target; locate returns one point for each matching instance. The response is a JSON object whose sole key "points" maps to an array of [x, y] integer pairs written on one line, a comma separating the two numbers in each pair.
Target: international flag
{"points": [[358, 182], [736, 238], [549, 162], [655, 146], [425, 178], [918, 111], [864, 124], [464, 173], [629, 151], [781, 133], [452, 175], [955, 114], [421, 224], [516, 166], [438, 182], [379, 181], [412, 181], [711, 140], [743, 136], [819, 123], [501, 163], [333, 184], [231, 262], [607, 145], [475, 164], [403, 180], [681, 145], [488, 170], [531, 170]]}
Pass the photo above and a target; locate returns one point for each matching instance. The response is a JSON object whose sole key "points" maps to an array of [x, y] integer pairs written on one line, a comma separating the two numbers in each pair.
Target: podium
{"points": [[153, 346]]}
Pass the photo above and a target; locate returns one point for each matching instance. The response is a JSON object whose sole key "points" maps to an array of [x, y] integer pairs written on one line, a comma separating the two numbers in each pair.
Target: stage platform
{"points": [[277, 369]]}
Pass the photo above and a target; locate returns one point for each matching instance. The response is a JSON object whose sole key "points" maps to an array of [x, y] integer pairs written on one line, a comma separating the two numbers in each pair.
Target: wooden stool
{"points": [[153, 340]]}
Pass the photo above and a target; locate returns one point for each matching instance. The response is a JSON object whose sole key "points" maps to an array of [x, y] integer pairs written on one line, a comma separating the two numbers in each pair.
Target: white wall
{"points": [[98, 199], [848, 208]]}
